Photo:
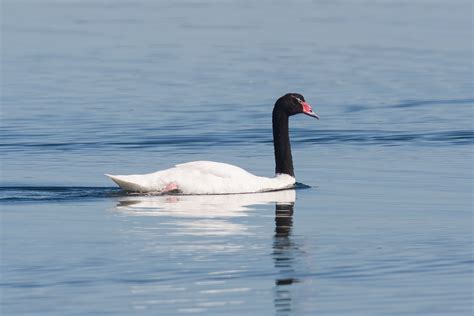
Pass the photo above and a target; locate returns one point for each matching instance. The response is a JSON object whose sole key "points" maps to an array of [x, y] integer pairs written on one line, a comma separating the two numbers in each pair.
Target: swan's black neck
{"points": [[281, 142]]}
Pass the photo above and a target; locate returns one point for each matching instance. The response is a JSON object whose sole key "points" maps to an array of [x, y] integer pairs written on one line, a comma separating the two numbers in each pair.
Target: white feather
{"points": [[203, 177]]}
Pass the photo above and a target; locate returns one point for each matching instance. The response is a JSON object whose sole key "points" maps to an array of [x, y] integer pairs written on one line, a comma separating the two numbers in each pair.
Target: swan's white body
{"points": [[203, 177]]}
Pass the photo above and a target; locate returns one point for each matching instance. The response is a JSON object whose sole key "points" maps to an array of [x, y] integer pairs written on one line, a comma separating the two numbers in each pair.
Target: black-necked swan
{"points": [[208, 177]]}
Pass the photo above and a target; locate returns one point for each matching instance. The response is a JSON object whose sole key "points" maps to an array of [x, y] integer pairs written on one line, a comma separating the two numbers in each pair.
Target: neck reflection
{"points": [[284, 257]]}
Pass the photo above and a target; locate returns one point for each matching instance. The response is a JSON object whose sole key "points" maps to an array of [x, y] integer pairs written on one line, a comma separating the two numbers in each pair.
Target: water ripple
{"points": [[55, 193], [257, 136], [404, 104], [418, 103], [71, 193]]}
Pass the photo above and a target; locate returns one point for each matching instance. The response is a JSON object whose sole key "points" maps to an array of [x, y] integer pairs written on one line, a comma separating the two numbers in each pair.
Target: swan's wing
{"points": [[217, 169], [191, 177]]}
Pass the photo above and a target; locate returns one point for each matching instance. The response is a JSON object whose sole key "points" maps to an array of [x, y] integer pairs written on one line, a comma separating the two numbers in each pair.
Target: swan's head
{"points": [[294, 103]]}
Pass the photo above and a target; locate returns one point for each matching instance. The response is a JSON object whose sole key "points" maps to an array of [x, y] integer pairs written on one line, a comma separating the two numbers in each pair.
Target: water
{"points": [[93, 87]]}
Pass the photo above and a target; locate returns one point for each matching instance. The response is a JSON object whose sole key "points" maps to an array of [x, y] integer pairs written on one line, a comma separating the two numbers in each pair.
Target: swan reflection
{"points": [[206, 218], [203, 214], [223, 205]]}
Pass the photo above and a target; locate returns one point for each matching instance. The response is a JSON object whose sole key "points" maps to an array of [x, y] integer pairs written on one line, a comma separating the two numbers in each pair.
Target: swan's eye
{"points": [[298, 99]]}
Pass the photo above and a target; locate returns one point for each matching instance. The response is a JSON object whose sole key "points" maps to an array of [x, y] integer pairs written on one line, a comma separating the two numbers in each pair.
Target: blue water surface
{"points": [[94, 87]]}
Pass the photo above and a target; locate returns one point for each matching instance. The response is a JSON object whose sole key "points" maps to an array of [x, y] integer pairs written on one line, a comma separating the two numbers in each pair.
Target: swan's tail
{"points": [[128, 183]]}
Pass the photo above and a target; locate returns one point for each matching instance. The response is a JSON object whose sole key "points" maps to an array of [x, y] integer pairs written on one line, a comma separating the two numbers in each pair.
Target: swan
{"points": [[208, 177]]}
